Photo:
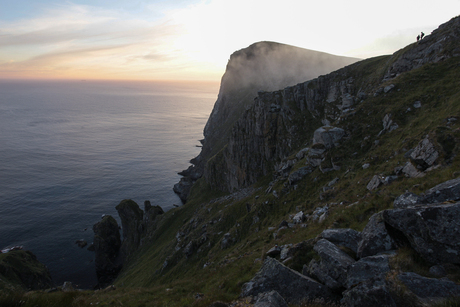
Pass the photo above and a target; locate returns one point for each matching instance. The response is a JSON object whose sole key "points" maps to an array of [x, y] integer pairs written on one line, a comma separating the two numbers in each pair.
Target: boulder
{"points": [[299, 174], [446, 191], [433, 230], [410, 171], [270, 299], [368, 268], [334, 262], [343, 237], [107, 245], [299, 218], [375, 237], [328, 136], [227, 241], [425, 154], [406, 200], [315, 270], [132, 223], [375, 182], [430, 290], [294, 287], [370, 293], [273, 252]]}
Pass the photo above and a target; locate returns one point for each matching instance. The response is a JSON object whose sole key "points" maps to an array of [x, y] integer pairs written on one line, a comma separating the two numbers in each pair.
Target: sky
{"points": [[193, 39]]}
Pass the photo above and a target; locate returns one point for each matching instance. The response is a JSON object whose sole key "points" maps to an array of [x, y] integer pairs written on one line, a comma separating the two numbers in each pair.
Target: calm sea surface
{"points": [[70, 151]]}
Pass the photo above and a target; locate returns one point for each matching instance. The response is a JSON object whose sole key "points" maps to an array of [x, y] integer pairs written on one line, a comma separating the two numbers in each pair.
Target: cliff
{"points": [[263, 66]]}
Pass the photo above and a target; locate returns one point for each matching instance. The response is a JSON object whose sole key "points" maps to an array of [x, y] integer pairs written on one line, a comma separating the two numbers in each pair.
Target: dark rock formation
{"points": [[294, 287], [370, 293], [107, 245], [334, 262], [368, 268], [433, 231], [270, 299], [19, 268], [375, 237], [430, 290], [343, 237], [132, 224]]}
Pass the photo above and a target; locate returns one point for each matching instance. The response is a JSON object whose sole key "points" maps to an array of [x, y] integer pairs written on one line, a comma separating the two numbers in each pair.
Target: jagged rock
{"points": [[315, 270], [81, 243], [375, 182], [328, 136], [270, 299], [370, 293], [285, 251], [320, 212], [301, 154], [107, 245], [294, 287], [299, 174], [366, 165], [388, 124], [343, 237], [410, 171], [299, 218], [189, 249], [446, 191], [375, 237], [183, 187], [406, 200], [388, 88], [132, 223], [433, 231], [150, 215], [425, 154], [334, 262], [430, 290], [367, 268], [417, 104]]}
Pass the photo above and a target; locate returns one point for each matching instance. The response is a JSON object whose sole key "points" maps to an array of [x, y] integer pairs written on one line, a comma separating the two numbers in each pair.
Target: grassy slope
{"points": [[145, 283]]}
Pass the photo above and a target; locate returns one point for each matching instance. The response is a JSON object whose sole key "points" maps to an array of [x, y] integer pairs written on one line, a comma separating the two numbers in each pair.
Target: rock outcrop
{"points": [[20, 270], [132, 221], [107, 245]]}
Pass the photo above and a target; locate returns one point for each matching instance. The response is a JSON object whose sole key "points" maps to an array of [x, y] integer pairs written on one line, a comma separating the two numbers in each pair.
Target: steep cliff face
{"points": [[263, 66], [279, 122]]}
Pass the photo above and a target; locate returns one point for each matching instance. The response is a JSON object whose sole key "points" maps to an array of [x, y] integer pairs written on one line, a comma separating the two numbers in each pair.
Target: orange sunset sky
{"points": [[192, 40]]}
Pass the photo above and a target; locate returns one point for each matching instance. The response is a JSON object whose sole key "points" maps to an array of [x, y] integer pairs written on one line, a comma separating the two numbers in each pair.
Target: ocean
{"points": [[70, 151]]}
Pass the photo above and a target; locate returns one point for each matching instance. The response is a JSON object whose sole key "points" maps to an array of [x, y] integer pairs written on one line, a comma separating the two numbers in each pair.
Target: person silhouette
{"points": [[422, 35], [418, 38]]}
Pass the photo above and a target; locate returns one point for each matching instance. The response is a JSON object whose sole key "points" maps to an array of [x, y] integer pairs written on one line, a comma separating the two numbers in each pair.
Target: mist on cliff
{"points": [[270, 66]]}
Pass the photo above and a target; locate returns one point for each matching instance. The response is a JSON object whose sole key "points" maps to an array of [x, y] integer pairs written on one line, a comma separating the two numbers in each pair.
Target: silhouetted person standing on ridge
{"points": [[418, 38], [422, 35]]}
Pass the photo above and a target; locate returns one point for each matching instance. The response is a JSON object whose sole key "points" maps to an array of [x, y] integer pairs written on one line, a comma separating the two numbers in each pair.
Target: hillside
{"points": [[343, 188]]}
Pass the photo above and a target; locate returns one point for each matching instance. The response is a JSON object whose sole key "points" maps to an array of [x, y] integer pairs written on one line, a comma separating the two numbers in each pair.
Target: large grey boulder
{"points": [[270, 299], [370, 293], [433, 230], [375, 237], [410, 171], [334, 262], [343, 237], [299, 174], [294, 287], [328, 136], [425, 154], [367, 268], [375, 182], [430, 290], [316, 270], [443, 192], [446, 191]]}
